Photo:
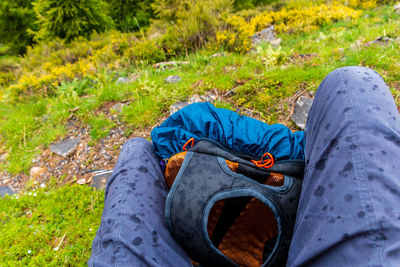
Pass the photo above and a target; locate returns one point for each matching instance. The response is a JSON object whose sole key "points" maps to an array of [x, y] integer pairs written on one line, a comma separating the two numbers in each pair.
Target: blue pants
{"points": [[348, 213]]}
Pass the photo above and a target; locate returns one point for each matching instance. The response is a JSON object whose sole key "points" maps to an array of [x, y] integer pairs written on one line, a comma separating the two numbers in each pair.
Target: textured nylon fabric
{"points": [[234, 132]]}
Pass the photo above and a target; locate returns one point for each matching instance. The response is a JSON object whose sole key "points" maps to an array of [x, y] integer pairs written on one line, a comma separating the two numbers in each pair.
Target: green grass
{"points": [[49, 227], [262, 80]]}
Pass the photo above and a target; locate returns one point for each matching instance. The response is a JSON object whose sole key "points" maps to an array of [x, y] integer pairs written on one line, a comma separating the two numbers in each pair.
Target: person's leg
{"points": [[349, 210], [133, 231]]}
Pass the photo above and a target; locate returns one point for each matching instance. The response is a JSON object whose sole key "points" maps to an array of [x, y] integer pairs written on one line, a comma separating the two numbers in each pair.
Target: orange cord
{"points": [[265, 163], [191, 141]]}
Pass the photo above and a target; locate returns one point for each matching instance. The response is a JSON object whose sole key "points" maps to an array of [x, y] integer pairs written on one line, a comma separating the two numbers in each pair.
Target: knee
{"points": [[347, 78], [136, 143], [364, 73], [136, 140]]}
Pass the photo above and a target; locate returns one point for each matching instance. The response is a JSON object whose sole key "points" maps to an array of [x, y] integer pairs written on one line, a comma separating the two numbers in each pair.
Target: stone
{"points": [[195, 99], [231, 92], [229, 68], [379, 41], [133, 77], [81, 181], [169, 64], [121, 80], [108, 156], [3, 157], [36, 171], [173, 79], [177, 106], [6, 190], [207, 97], [210, 97], [221, 54], [301, 111], [276, 42], [100, 179], [267, 35], [397, 8], [247, 112], [66, 147], [117, 107]]}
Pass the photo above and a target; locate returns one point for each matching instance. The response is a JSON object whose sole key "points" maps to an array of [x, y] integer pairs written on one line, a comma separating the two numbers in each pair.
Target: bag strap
{"points": [[293, 168]]}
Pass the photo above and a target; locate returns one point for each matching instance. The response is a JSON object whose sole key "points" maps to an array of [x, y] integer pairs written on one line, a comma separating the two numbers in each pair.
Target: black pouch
{"points": [[206, 185]]}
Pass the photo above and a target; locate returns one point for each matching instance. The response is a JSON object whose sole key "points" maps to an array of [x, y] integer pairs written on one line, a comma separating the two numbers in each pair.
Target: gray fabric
{"points": [[349, 212], [132, 230]]}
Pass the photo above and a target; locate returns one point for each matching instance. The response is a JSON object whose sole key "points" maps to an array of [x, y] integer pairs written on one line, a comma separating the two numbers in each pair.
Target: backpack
{"points": [[227, 208]]}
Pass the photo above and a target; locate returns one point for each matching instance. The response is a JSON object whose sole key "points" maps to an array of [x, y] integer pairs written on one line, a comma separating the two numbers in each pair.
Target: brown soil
{"points": [[84, 161]]}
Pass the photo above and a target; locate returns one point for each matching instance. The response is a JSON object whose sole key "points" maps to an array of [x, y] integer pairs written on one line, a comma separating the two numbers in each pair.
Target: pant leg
{"points": [[133, 231], [349, 210]]}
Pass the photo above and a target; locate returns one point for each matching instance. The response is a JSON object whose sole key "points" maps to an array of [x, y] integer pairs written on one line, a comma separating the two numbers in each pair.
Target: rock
{"points": [[118, 107], [36, 160], [267, 35], [3, 156], [36, 171], [231, 92], [207, 97], [177, 106], [379, 41], [247, 112], [66, 147], [276, 42], [100, 179], [133, 77], [195, 99], [81, 181], [301, 111], [302, 58], [221, 54], [173, 79], [169, 64], [397, 8], [6, 190], [108, 156], [229, 68], [121, 80]]}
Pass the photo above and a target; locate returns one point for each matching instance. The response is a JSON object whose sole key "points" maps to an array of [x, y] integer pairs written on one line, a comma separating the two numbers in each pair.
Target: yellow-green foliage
{"points": [[144, 51], [189, 25], [8, 67], [194, 26], [236, 34], [362, 3], [47, 65]]}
